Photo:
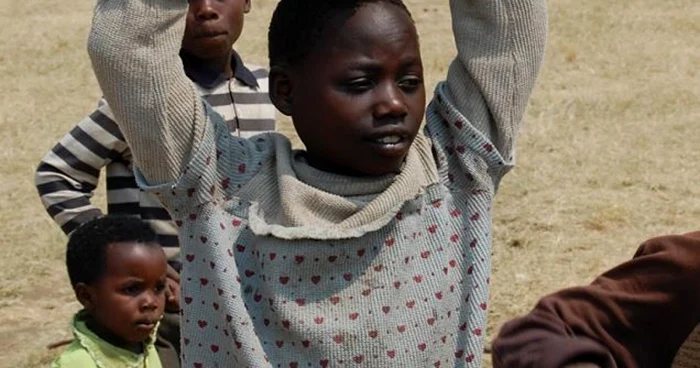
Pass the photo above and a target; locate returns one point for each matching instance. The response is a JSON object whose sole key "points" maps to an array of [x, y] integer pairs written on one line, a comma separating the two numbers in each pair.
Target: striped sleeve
{"points": [[68, 174]]}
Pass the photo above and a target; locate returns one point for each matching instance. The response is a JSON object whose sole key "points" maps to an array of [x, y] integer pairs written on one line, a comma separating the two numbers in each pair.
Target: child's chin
{"points": [[141, 333], [388, 166]]}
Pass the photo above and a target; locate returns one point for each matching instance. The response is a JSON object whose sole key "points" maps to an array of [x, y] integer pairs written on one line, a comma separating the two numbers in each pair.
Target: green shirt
{"points": [[88, 350]]}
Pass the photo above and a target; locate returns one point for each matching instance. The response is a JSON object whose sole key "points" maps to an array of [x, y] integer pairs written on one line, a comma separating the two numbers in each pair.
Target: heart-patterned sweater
{"points": [[288, 266]]}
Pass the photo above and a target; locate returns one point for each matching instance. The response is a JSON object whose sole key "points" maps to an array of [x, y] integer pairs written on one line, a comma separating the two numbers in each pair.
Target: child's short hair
{"points": [[86, 256], [297, 25]]}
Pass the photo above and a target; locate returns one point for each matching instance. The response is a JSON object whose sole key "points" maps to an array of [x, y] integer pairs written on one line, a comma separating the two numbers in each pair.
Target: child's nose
{"points": [[390, 102], [206, 11], [149, 301]]}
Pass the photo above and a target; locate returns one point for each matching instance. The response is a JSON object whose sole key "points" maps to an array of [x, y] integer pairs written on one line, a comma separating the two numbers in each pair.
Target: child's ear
{"points": [[281, 89], [247, 6], [84, 295]]}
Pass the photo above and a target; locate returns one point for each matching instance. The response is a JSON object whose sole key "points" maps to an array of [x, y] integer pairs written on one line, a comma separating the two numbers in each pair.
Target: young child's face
{"points": [[128, 300], [357, 99], [213, 26]]}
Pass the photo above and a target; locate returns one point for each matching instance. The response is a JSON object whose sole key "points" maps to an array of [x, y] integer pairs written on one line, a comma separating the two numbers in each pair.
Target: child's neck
{"points": [[220, 64], [323, 165], [111, 338]]}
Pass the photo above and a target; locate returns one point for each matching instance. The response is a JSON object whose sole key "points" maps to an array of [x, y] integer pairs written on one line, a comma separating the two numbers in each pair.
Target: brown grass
{"points": [[609, 155]]}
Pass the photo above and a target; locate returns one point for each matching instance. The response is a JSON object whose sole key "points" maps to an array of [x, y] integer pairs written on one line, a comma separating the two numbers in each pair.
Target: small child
{"points": [[68, 174], [372, 246], [118, 273], [642, 313]]}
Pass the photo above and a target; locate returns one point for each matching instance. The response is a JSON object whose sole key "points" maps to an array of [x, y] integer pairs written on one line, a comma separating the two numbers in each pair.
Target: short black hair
{"points": [[298, 25], [86, 256]]}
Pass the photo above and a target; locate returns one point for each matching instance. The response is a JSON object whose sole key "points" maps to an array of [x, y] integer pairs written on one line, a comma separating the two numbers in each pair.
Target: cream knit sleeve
{"points": [[500, 46], [134, 45], [475, 115]]}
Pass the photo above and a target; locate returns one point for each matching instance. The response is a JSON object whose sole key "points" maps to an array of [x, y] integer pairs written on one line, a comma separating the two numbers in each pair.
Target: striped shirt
{"points": [[68, 174]]}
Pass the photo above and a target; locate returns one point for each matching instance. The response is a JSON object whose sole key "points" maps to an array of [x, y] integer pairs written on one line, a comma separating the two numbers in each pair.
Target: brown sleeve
{"points": [[635, 315]]}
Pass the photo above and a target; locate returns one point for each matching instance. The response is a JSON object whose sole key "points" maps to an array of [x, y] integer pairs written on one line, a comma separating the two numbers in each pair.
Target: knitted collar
{"points": [[292, 200], [104, 354]]}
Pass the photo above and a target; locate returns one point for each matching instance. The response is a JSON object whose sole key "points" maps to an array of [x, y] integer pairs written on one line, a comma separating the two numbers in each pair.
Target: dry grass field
{"points": [[609, 156]]}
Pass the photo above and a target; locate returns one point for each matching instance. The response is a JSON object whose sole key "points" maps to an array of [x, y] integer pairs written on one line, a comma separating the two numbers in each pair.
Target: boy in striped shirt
{"points": [[68, 174]]}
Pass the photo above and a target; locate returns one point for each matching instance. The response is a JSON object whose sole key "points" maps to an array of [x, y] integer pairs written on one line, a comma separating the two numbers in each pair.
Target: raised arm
{"points": [[500, 46], [134, 47], [637, 314], [476, 114], [181, 147], [68, 174]]}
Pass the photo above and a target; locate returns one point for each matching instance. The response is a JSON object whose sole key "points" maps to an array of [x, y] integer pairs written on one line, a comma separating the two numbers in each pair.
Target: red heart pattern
{"points": [[420, 272]]}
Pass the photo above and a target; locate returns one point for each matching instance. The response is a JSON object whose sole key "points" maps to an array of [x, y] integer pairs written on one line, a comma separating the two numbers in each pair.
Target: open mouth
{"points": [[390, 145], [389, 139]]}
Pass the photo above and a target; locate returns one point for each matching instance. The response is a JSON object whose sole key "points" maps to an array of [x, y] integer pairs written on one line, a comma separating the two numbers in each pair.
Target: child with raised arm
{"points": [[118, 273], [68, 174], [372, 246]]}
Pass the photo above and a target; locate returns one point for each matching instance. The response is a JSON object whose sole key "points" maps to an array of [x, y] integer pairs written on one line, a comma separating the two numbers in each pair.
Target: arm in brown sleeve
{"points": [[636, 315]]}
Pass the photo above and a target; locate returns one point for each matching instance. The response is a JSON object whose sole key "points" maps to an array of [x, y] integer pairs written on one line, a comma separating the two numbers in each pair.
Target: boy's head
{"points": [[118, 273], [213, 26], [350, 75]]}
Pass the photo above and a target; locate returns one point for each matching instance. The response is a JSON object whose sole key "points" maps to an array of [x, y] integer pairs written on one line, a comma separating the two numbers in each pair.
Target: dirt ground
{"points": [[609, 155]]}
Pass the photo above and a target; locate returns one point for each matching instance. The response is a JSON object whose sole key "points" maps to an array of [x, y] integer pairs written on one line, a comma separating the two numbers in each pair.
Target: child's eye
{"points": [[410, 83], [160, 287], [131, 290], [358, 85]]}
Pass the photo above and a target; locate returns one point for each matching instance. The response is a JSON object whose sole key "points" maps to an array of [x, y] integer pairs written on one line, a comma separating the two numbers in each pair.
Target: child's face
{"points": [[213, 26], [357, 100], [128, 300]]}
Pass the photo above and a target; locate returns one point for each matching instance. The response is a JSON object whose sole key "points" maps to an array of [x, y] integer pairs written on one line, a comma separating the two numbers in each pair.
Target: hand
{"points": [[172, 291]]}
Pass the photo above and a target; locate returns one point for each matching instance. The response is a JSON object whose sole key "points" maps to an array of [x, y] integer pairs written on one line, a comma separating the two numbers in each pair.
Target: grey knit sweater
{"points": [[288, 266]]}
